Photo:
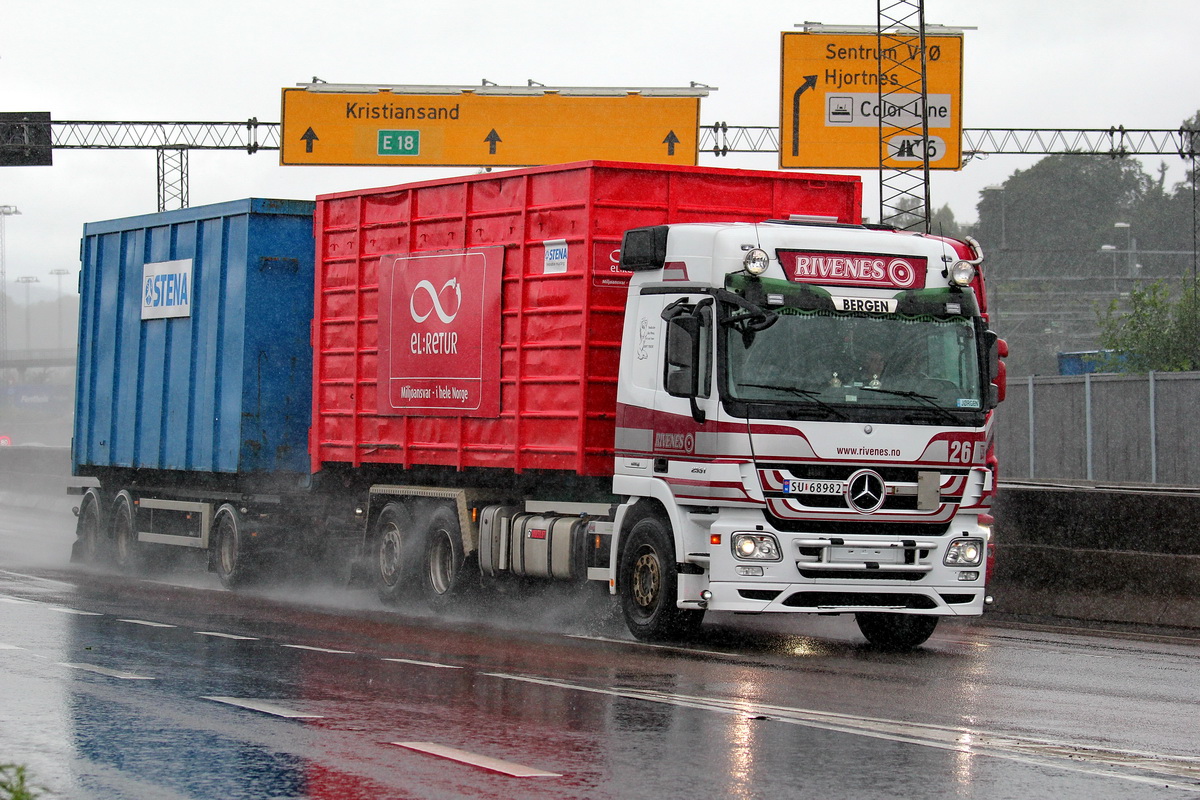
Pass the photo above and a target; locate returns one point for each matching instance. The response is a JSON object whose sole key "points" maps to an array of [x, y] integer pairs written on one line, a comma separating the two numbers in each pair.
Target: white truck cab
{"points": [[803, 425]]}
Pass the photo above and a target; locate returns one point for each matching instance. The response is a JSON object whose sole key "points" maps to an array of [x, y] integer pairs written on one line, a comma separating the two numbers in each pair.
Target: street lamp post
{"points": [[5, 211], [1003, 213], [1109, 248], [59, 273], [28, 280], [1130, 247]]}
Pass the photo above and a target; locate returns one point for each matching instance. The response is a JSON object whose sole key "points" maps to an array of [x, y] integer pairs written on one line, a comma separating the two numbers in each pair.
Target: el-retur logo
{"points": [[435, 302]]}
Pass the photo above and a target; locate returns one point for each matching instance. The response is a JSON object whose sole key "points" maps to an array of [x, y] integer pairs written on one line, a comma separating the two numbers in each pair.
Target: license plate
{"points": [[814, 487], [879, 555]]}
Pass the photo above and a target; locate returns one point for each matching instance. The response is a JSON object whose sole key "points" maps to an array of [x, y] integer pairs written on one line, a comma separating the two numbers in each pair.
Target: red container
{"points": [[497, 339]]}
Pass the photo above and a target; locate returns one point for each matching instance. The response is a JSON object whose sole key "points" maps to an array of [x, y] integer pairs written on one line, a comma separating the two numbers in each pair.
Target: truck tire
{"points": [[442, 560], [128, 552], [647, 581], [90, 532], [895, 631], [229, 556], [393, 554]]}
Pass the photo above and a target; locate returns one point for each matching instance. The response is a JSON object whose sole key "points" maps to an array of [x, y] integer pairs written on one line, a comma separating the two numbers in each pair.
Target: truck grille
{"points": [[909, 499], [858, 527], [811, 599]]}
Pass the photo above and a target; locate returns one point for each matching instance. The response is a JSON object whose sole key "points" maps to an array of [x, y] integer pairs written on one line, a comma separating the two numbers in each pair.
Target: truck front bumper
{"points": [[834, 598]]}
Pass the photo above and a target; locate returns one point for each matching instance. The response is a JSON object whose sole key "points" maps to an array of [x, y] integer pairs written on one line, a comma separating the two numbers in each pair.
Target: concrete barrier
{"points": [[28, 475], [1098, 554]]}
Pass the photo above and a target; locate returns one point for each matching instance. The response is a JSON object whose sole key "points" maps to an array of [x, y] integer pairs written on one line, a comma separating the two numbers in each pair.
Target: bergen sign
{"points": [[469, 129], [829, 107]]}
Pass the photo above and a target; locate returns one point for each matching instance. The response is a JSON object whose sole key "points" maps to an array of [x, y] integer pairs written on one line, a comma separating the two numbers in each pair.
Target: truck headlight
{"points": [[756, 546], [964, 553]]}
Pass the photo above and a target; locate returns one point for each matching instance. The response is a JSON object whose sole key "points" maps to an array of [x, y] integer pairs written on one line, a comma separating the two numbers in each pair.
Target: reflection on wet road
{"points": [[116, 687], [126, 688]]}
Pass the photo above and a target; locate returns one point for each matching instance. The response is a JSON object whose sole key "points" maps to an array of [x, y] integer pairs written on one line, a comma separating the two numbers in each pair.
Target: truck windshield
{"points": [[834, 364]]}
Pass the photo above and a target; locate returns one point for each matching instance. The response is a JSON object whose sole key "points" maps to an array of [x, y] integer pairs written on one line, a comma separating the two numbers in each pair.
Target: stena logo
{"points": [[167, 289], [555, 260], [426, 297]]}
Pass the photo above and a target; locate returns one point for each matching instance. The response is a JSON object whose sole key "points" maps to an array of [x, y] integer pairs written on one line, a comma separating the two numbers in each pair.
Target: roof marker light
{"points": [[756, 261], [962, 273]]}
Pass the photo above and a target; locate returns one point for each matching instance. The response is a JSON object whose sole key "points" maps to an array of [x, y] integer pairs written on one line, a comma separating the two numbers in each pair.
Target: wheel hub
{"points": [[228, 550], [389, 556], [441, 563], [646, 580]]}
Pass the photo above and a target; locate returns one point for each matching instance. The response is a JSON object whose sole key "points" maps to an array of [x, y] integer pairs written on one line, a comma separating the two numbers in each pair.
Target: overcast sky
{"points": [[1029, 64]]}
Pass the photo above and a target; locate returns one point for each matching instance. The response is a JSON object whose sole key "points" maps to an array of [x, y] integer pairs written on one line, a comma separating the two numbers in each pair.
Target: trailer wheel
{"points": [[395, 546], [895, 631], [127, 550], [443, 557], [229, 558], [646, 582], [90, 532]]}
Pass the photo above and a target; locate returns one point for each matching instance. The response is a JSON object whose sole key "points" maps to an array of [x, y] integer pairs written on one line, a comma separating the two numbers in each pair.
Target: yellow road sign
{"points": [[470, 129], [829, 107]]}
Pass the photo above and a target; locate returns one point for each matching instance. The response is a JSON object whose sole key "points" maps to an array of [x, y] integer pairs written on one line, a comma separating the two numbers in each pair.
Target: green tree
{"points": [[13, 783], [1157, 333], [942, 223]]}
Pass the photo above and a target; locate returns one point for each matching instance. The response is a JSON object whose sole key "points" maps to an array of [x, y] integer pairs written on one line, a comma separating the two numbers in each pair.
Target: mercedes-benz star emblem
{"points": [[865, 491]]}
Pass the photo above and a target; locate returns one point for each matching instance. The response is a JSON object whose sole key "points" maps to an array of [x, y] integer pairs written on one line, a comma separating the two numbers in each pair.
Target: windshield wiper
{"points": [[808, 394], [929, 400]]}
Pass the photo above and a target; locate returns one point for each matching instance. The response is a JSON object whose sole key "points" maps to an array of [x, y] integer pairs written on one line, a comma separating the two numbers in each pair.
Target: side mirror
{"points": [[997, 349], [683, 355], [685, 352]]}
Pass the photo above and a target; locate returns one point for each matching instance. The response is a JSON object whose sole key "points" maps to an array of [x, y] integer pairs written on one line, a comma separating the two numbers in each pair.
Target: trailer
{"points": [[705, 388]]}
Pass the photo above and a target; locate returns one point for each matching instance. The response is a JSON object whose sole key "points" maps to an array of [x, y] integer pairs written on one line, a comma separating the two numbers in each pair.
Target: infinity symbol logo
{"points": [[435, 299]]}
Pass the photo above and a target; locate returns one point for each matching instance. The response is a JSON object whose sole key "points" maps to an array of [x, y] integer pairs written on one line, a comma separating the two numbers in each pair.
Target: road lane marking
{"points": [[111, 673], [26, 578], [1148, 768], [318, 649], [476, 760], [77, 612], [668, 647], [147, 623], [227, 636], [422, 663], [6, 646], [16, 600], [262, 706]]}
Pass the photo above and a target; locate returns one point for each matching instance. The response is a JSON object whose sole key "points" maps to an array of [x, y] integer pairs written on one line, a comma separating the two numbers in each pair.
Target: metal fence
{"points": [[1105, 428]]}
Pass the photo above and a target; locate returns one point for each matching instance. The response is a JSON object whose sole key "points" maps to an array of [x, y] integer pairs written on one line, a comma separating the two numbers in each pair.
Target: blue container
{"points": [[1084, 362], [194, 340]]}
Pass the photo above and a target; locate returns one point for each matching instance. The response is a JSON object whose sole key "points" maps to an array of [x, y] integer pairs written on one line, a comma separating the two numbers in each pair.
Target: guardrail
{"points": [[25, 359]]}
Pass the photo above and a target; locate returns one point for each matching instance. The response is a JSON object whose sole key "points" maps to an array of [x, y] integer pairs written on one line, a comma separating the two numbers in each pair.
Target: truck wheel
{"points": [[895, 631], [647, 581], [127, 550], [443, 559], [229, 558], [89, 531], [394, 551]]}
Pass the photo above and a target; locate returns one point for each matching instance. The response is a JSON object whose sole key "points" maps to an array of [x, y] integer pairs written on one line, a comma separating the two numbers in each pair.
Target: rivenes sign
{"points": [[854, 269]]}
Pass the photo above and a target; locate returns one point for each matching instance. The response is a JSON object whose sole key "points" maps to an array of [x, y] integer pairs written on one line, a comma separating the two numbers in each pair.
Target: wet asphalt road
{"points": [[113, 687]]}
